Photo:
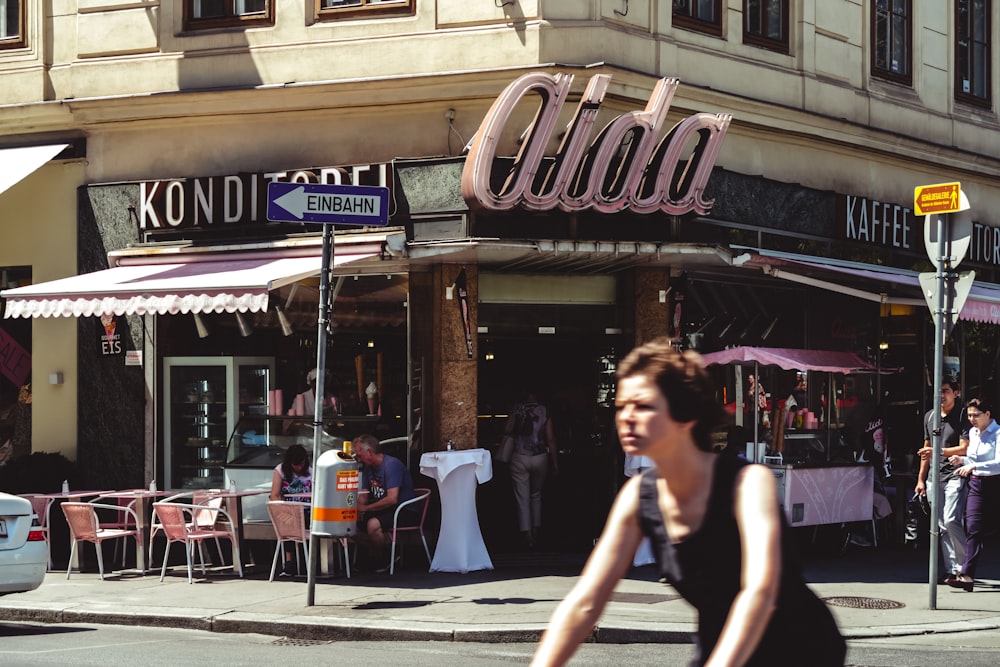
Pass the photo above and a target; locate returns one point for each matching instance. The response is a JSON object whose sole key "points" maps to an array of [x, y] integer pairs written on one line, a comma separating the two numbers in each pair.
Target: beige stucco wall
{"points": [[305, 81], [38, 226], [303, 93]]}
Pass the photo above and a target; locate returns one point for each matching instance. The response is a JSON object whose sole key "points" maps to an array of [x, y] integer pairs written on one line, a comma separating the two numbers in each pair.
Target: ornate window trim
{"points": [[330, 10], [965, 53], [887, 21], [14, 28], [230, 14], [756, 12], [689, 14]]}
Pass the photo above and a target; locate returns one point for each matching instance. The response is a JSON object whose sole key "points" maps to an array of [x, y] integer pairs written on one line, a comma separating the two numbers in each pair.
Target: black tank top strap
{"points": [[723, 484], [651, 522]]}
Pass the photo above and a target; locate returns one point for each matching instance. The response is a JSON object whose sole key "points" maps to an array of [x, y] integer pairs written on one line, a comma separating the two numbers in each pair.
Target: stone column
{"points": [[455, 395], [651, 318]]}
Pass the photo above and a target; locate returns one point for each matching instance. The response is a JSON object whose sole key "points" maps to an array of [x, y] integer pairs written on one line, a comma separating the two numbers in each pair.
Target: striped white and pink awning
{"points": [[207, 285]]}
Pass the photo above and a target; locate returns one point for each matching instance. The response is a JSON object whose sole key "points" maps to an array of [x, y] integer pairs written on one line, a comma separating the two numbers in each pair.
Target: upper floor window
{"points": [[765, 24], [342, 8], [892, 30], [972, 57], [200, 14], [700, 15], [11, 24]]}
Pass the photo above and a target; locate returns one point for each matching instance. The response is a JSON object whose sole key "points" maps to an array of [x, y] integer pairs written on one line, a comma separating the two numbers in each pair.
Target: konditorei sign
{"points": [[623, 168], [238, 199]]}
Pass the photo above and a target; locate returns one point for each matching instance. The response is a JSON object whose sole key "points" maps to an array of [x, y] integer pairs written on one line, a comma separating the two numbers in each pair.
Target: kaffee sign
{"points": [[624, 168]]}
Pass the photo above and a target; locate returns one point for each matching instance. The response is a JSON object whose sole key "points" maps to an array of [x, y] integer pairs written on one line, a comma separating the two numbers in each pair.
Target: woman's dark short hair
{"points": [[683, 381], [293, 455], [981, 404]]}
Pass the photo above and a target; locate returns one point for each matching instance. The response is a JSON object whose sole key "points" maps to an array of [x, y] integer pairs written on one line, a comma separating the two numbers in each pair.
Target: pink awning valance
{"points": [[792, 359], [204, 286]]}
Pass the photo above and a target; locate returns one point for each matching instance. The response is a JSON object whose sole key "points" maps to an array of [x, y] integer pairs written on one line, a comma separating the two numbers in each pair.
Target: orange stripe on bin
{"points": [[334, 514]]}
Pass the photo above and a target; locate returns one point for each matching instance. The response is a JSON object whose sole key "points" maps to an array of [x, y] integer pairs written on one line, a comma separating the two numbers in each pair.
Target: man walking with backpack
{"points": [[954, 442], [534, 445]]}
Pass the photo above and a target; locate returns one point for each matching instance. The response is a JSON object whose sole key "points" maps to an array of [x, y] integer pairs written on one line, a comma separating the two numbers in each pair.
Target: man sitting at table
{"points": [[385, 483]]}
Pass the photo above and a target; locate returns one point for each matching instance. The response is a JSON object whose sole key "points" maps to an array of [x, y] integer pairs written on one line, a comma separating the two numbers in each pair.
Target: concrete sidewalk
{"points": [[885, 592]]}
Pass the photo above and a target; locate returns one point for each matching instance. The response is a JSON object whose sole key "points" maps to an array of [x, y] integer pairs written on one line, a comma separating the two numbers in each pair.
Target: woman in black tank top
{"points": [[717, 530]]}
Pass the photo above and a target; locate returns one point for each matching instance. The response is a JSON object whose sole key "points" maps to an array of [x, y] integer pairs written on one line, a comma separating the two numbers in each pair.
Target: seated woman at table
{"points": [[292, 476], [385, 483]]}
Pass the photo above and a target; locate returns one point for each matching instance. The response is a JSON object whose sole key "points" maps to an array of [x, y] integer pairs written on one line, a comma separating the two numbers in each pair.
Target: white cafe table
{"points": [[460, 546], [234, 505], [143, 499]]}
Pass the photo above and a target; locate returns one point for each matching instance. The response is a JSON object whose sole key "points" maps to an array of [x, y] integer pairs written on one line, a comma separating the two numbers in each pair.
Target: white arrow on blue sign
{"points": [[365, 205]]}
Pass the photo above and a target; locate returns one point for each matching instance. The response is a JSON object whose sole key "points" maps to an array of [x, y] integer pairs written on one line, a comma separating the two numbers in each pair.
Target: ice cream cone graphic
{"points": [[110, 323]]}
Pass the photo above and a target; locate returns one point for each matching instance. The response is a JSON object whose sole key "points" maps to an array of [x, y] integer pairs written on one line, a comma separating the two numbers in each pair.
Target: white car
{"points": [[23, 556]]}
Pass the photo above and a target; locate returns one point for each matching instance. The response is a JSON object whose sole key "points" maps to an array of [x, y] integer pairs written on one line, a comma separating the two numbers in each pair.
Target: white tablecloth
{"points": [[460, 546]]}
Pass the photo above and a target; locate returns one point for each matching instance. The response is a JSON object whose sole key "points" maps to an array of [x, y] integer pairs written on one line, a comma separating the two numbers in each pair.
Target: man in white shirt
{"points": [[981, 466]]}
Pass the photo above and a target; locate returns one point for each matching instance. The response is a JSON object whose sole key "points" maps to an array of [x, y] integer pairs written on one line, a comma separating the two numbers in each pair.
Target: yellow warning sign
{"points": [[938, 198]]}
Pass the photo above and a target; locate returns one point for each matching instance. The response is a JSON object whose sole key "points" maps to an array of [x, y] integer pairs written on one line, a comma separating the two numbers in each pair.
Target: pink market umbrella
{"points": [[791, 359]]}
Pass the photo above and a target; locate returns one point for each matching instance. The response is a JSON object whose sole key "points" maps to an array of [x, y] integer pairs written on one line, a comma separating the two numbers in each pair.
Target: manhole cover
{"points": [[642, 598], [864, 603], [288, 641]]}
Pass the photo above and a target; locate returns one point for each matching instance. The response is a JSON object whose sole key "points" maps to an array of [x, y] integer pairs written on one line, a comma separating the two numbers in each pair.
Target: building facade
{"points": [[166, 121]]}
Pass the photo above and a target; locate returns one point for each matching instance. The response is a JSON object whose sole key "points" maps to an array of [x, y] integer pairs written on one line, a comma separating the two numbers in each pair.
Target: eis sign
{"points": [[624, 168], [110, 338]]}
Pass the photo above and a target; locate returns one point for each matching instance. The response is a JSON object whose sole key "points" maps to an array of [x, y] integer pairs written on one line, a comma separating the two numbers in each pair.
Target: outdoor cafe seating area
{"points": [[133, 532]]}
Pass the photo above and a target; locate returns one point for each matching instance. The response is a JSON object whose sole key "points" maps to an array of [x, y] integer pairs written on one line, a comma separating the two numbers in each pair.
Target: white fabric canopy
{"points": [[17, 163], [983, 304], [218, 285]]}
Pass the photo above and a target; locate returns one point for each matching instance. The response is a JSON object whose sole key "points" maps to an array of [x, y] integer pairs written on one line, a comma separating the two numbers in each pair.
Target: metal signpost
{"points": [[947, 241], [327, 205]]}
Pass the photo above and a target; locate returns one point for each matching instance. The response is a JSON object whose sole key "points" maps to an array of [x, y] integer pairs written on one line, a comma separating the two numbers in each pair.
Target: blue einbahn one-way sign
{"points": [[328, 204]]}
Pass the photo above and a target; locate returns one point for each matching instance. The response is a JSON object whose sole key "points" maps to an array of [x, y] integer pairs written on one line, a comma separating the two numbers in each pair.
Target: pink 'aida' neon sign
{"points": [[622, 169]]}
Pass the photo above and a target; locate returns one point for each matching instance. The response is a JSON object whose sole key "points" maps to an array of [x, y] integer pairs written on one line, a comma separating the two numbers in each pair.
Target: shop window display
{"points": [[219, 377], [15, 374]]}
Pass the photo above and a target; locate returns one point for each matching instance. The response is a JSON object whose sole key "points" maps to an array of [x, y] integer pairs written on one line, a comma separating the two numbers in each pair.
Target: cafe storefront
{"points": [[203, 313], [185, 288]]}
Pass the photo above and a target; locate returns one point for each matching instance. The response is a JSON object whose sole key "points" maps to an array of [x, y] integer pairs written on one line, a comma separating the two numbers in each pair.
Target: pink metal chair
{"points": [[205, 518], [178, 523], [40, 505], [121, 520], [423, 496], [289, 521], [85, 526]]}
